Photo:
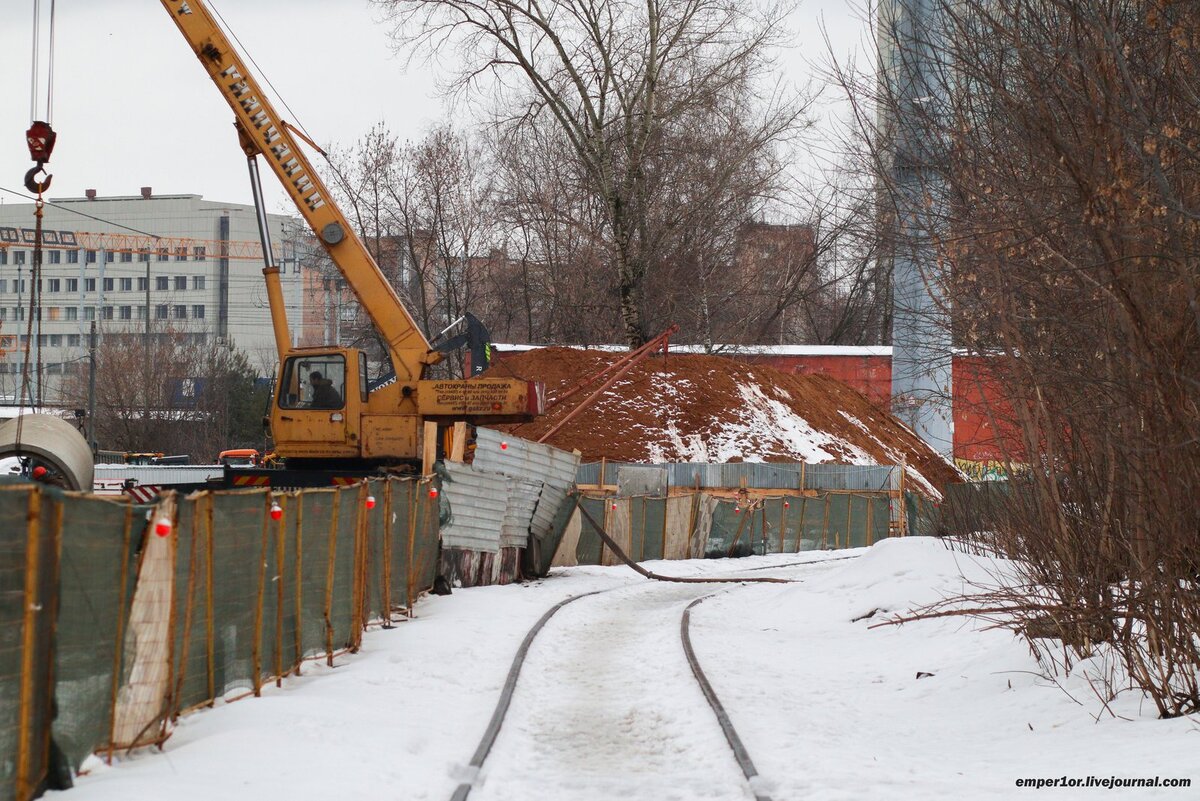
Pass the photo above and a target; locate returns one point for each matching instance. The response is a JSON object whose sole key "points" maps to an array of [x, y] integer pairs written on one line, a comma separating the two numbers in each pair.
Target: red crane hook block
{"points": [[40, 138]]}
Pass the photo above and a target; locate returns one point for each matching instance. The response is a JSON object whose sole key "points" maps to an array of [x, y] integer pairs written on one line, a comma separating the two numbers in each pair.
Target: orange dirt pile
{"points": [[699, 408]]}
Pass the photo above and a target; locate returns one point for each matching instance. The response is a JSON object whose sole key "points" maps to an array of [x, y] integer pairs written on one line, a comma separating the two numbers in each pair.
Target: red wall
{"points": [[979, 407]]}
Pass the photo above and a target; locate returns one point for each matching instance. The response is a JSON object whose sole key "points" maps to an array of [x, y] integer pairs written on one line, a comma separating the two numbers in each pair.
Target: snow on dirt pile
{"points": [[696, 408]]}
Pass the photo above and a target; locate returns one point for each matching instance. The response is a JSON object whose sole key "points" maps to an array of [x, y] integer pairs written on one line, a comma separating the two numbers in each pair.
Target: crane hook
{"points": [[33, 184]]}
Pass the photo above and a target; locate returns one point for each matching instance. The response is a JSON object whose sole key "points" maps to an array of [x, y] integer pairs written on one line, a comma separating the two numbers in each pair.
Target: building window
{"points": [[18, 312], [127, 256], [141, 285], [199, 253], [109, 256], [56, 340], [163, 254], [53, 285], [162, 282], [3, 313], [181, 253], [18, 257], [20, 285], [180, 313], [126, 312], [72, 313], [141, 312], [198, 312], [126, 284], [160, 312], [180, 283], [90, 256], [72, 257], [197, 282], [89, 285], [3, 255], [56, 257], [107, 312], [72, 284], [53, 313], [108, 285], [3, 282], [73, 340], [89, 312]]}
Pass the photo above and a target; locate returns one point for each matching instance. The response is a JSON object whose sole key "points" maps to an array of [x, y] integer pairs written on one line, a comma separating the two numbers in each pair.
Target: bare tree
{"points": [[425, 212], [198, 401], [1066, 172], [613, 75]]}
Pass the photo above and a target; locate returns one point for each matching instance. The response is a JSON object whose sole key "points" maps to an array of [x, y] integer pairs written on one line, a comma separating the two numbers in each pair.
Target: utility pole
{"points": [[91, 418], [146, 368], [19, 395]]}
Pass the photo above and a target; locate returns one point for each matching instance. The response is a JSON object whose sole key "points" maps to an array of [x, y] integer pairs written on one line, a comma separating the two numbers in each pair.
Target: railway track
{"points": [[610, 706], [620, 723]]}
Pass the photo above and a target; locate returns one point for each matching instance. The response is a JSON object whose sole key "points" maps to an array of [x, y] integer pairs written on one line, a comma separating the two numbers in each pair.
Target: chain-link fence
{"points": [[117, 619]]}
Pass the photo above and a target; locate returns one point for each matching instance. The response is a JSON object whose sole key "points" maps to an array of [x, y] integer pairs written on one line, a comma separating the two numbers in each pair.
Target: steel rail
{"points": [[502, 705], [493, 728], [492, 732], [731, 736]]}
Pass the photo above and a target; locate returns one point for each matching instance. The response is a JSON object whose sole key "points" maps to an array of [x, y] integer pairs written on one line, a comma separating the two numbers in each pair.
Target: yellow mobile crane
{"points": [[323, 415]]}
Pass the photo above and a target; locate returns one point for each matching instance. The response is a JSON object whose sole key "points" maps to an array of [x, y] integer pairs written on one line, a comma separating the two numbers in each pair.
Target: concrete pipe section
{"points": [[52, 444]]}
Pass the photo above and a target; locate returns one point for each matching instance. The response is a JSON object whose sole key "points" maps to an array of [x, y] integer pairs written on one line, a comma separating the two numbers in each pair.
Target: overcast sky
{"points": [[133, 107]]}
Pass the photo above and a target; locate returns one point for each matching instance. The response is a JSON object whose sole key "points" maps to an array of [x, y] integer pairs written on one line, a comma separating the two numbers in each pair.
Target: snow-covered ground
{"points": [[607, 709]]}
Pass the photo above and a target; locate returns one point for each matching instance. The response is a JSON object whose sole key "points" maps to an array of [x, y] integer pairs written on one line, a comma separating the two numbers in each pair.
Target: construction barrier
{"points": [[119, 618], [698, 524]]}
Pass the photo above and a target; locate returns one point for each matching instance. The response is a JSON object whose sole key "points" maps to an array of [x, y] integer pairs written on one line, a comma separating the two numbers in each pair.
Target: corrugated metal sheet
{"points": [[523, 497], [642, 479], [589, 473], [775, 475], [548, 505], [524, 459], [852, 477], [159, 475], [755, 474], [478, 504]]}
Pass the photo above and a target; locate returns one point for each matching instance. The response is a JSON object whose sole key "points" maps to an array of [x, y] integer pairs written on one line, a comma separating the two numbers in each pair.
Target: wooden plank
{"points": [[429, 449], [459, 447]]}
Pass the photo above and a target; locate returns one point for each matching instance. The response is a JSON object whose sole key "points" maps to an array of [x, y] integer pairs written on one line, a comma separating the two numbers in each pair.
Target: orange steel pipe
{"points": [[631, 360]]}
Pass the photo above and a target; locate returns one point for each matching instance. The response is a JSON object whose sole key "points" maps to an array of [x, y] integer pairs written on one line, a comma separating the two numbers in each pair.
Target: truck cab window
{"points": [[314, 382]]}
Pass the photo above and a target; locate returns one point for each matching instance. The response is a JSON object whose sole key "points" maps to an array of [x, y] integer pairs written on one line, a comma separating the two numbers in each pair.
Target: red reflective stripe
{"points": [[251, 481]]}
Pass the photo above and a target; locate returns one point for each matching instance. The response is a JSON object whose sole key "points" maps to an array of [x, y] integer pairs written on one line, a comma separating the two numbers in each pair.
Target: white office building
{"points": [[148, 265]]}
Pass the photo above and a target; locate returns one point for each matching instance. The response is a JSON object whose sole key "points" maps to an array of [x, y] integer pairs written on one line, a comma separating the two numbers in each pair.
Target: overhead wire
{"points": [[34, 59], [260, 71], [70, 210], [283, 101]]}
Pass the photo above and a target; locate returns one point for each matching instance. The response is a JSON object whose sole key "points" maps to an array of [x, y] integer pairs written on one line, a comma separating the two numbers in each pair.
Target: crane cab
{"points": [[319, 403]]}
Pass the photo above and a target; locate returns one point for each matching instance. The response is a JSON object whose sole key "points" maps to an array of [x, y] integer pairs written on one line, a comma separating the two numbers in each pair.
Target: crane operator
{"points": [[324, 395]]}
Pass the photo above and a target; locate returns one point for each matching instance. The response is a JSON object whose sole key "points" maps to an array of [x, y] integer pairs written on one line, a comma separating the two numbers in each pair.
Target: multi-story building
{"points": [[144, 265]]}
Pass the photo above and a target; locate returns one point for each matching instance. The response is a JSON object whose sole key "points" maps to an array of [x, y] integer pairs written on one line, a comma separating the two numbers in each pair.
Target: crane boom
{"points": [[326, 413], [264, 132]]}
